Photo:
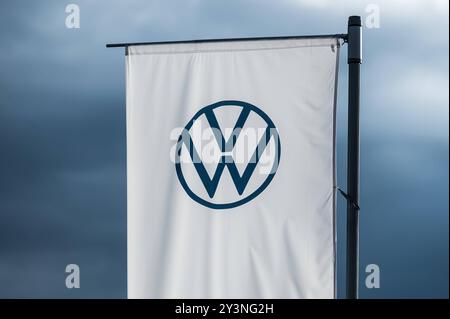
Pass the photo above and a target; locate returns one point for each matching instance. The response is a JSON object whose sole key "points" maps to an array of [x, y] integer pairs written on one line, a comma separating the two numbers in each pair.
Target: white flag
{"points": [[231, 169]]}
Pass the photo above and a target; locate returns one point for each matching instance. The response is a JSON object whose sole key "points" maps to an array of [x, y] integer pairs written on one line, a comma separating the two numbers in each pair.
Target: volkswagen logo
{"points": [[233, 159]]}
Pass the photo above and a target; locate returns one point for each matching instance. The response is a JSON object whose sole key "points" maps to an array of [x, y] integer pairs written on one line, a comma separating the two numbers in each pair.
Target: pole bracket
{"points": [[349, 199]]}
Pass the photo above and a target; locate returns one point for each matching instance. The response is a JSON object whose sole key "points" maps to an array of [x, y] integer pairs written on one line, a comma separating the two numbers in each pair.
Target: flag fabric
{"points": [[231, 169]]}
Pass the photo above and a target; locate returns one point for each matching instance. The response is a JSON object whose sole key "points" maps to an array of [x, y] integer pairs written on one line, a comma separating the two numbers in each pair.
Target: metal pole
{"points": [[354, 62], [337, 36]]}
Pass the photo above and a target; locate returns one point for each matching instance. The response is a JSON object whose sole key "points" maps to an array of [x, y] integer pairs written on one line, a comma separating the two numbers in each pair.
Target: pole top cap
{"points": [[354, 21]]}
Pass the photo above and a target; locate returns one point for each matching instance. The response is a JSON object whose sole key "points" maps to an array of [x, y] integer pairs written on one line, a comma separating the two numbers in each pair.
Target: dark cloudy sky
{"points": [[62, 134]]}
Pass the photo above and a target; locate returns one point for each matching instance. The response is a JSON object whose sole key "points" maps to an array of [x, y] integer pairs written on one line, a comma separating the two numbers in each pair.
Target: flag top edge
{"points": [[238, 45]]}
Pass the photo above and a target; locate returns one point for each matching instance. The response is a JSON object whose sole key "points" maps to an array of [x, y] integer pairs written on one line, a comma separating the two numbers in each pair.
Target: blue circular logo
{"points": [[247, 178]]}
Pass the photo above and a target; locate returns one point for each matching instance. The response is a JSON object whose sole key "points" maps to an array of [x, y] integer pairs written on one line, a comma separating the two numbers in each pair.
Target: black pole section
{"points": [[337, 36], [354, 62]]}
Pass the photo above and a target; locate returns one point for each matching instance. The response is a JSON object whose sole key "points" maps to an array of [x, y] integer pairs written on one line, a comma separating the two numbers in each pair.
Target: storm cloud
{"points": [[62, 135]]}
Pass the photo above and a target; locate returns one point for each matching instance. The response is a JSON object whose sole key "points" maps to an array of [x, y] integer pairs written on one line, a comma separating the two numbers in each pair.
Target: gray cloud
{"points": [[62, 134]]}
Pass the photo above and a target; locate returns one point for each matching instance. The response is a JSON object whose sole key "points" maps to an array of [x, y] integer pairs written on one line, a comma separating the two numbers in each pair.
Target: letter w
{"points": [[240, 182]]}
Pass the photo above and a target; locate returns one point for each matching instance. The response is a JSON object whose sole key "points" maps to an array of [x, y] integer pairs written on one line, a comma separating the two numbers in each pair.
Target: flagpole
{"points": [[354, 62], [294, 37]]}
